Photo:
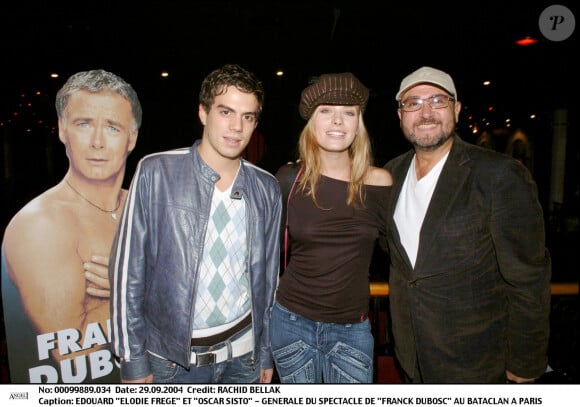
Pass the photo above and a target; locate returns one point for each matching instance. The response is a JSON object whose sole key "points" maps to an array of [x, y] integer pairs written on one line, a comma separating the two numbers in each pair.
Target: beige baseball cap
{"points": [[430, 75]]}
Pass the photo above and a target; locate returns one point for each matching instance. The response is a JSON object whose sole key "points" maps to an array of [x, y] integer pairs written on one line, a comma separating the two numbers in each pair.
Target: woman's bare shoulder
{"points": [[379, 177]]}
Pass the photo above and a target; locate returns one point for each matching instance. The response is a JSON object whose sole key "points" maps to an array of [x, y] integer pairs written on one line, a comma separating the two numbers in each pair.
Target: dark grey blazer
{"points": [[478, 300]]}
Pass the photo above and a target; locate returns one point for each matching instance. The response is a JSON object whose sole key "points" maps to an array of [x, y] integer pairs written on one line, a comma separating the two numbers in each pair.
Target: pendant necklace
{"points": [[112, 212]]}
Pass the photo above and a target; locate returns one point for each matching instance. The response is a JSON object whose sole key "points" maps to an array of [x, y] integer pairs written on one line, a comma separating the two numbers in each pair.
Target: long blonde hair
{"points": [[359, 152]]}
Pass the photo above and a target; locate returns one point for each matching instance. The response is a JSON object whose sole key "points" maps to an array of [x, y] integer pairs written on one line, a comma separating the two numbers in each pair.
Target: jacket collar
{"points": [[200, 167]]}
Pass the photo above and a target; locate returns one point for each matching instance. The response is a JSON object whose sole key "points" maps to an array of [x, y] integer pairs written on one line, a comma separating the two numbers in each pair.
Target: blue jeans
{"points": [[243, 369], [307, 351]]}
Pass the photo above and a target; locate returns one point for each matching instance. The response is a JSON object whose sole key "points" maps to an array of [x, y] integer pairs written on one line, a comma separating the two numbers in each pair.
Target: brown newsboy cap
{"points": [[333, 89]]}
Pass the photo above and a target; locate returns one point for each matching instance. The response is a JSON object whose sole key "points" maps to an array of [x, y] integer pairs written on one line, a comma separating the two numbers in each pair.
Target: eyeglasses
{"points": [[435, 102]]}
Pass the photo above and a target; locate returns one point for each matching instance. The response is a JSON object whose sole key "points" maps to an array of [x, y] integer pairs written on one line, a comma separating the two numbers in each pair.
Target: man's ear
{"points": [[457, 110], [202, 114], [61, 132], [133, 139]]}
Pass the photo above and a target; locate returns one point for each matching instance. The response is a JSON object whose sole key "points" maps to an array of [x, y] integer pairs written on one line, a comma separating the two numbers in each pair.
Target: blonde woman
{"points": [[320, 330]]}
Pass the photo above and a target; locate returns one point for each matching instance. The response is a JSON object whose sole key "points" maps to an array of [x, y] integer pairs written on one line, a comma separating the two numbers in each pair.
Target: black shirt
{"points": [[327, 278]]}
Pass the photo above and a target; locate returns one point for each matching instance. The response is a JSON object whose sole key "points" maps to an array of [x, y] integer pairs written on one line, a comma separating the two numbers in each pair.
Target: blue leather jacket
{"points": [[158, 249]]}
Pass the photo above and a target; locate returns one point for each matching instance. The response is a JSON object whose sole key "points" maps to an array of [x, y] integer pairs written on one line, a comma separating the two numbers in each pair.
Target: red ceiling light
{"points": [[524, 42]]}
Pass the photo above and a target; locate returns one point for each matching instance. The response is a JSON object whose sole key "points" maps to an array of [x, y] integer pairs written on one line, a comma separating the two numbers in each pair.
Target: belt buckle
{"points": [[204, 359]]}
